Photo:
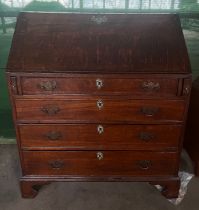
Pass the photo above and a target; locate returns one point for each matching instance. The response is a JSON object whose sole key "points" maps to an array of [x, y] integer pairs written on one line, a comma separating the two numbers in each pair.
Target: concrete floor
{"points": [[84, 195]]}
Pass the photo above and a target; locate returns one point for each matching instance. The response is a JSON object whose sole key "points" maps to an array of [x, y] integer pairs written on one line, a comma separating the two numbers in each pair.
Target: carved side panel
{"points": [[13, 85], [186, 87]]}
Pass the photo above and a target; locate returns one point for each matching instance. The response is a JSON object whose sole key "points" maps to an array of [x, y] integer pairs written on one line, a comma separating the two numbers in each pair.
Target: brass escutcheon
{"points": [[99, 83], [100, 129], [100, 155], [100, 104]]}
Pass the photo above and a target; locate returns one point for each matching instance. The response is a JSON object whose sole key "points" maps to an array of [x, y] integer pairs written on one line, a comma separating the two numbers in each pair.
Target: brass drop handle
{"points": [[100, 129], [145, 136], [100, 104], [53, 135], [99, 83], [151, 86], [144, 164], [57, 164], [100, 155], [48, 85], [149, 111], [50, 109]]}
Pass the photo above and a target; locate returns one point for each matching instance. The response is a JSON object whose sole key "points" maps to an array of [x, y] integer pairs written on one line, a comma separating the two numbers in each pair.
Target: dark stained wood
{"points": [[87, 163], [30, 186], [100, 85], [86, 110], [77, 43], [29, 189], [170, 188], [99, 136], [99, 97]]}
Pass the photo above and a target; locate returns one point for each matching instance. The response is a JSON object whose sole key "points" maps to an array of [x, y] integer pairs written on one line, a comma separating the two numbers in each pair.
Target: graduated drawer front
{"points": [[100, 85], [99, 110], [95, 136], [99, 163]]}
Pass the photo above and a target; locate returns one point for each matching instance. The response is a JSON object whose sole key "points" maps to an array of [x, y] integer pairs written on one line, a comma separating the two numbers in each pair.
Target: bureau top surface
{"points": [[100, 43]]}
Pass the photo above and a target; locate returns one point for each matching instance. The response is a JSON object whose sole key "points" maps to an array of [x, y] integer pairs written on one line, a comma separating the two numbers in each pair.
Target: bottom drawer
{"points": [[100, 163]]}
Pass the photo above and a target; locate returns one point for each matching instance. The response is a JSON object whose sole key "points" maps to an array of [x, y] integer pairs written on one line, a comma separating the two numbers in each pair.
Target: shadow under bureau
{"points": [[99, 97]]}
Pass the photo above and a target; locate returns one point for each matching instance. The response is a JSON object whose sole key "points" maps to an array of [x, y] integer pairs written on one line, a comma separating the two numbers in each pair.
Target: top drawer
{"points": [[103, 85]]}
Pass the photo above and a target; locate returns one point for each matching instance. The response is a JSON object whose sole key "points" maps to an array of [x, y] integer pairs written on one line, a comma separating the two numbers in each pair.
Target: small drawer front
{"points": [[100, 110], [99, 136], [100, 85], [100, 163]]}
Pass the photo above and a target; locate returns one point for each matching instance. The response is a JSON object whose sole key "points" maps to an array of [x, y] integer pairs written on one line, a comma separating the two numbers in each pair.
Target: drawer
{"points": [[99, 110], [100, 85], [99, 163], [99, 136]]}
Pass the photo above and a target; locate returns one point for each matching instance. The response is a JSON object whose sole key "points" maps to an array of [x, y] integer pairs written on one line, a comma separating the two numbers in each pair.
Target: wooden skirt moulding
{"points": [[30, 186]]}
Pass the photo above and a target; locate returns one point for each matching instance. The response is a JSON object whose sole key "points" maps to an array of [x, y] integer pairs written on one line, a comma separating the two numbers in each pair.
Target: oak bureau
{"points": [[99, 97]]}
